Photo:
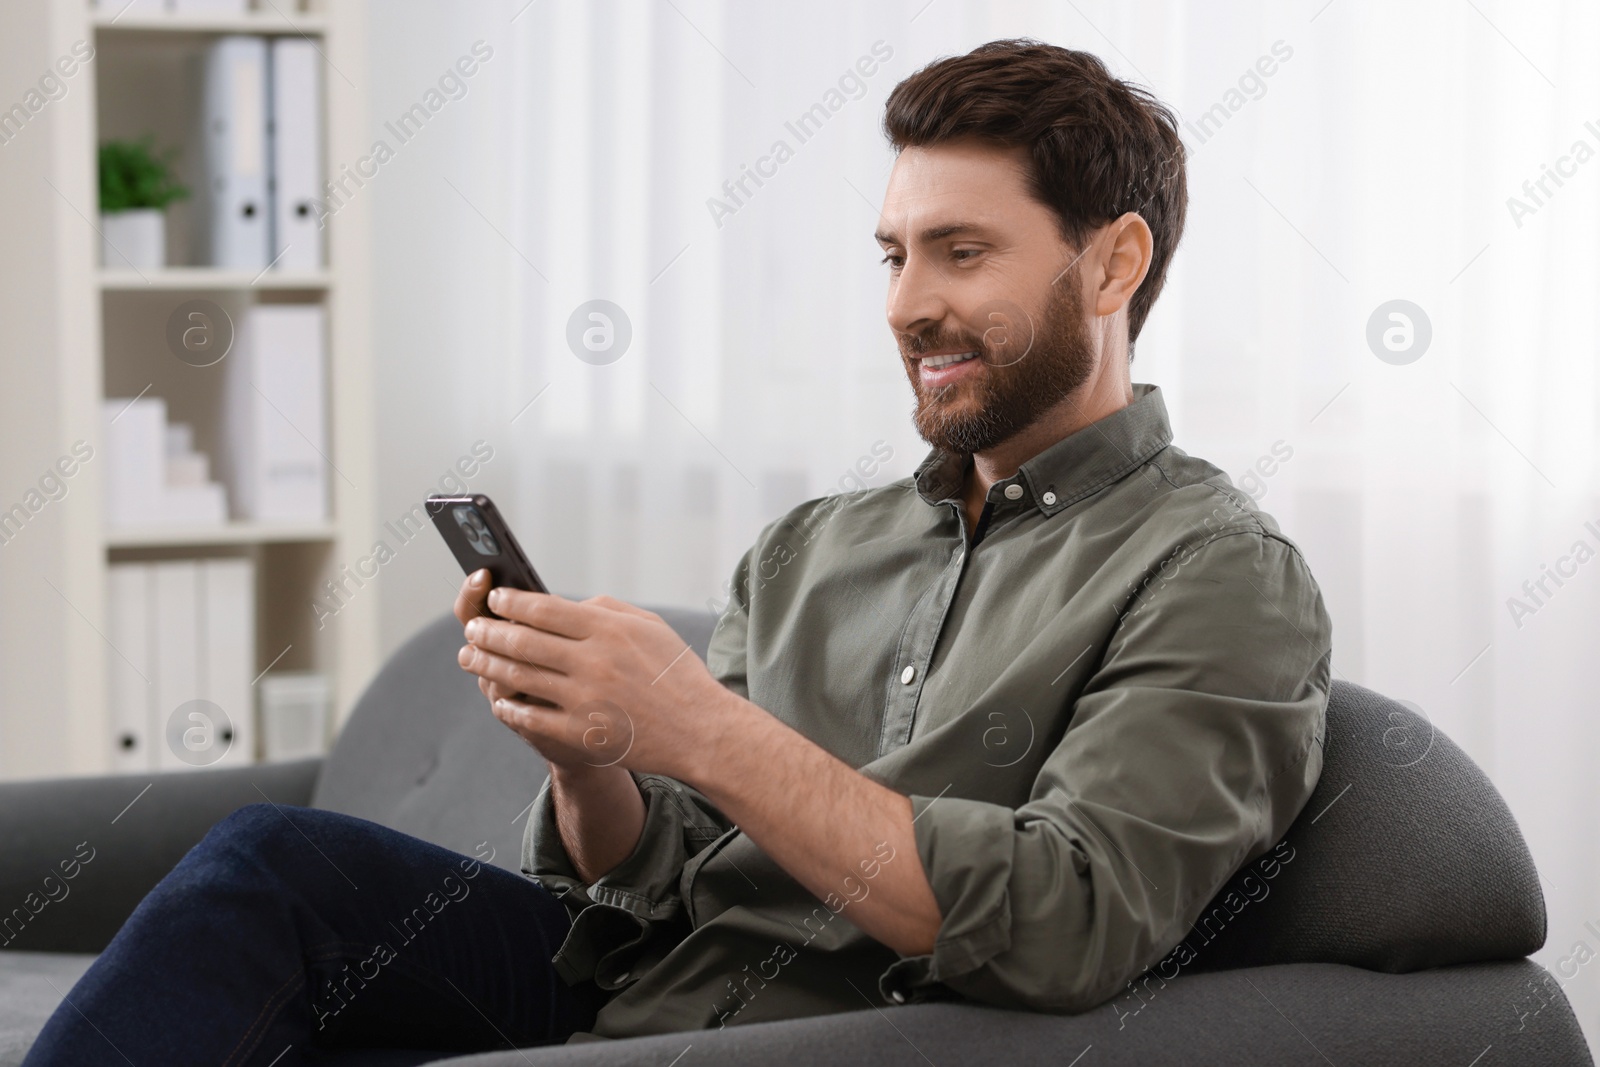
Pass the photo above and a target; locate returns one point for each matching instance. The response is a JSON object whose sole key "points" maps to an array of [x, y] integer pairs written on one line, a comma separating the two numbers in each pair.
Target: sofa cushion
{"points": [[31, 985], [1405, 857]]}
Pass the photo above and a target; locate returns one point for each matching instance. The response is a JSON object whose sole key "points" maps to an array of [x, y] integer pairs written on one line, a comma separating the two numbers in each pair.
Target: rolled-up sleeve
{"points": [[1191, 750], [626, 919], [616, 918]]}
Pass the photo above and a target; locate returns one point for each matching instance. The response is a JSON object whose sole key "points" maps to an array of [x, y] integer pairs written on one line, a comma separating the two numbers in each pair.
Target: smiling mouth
{"points": [[935, 362]]}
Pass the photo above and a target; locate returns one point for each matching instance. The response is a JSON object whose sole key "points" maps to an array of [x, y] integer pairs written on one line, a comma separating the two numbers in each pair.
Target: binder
{"points": [[177, 660], [295, 136], [232, 207], [226, 626], [128, 666], [275, 415], [178, 632]]}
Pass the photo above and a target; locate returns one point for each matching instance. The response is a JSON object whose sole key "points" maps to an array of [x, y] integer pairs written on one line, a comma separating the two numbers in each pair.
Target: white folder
{"points": [[296, 138], [177, 655], [227, 651], [232, 201], [129, 666], [275, 414]]}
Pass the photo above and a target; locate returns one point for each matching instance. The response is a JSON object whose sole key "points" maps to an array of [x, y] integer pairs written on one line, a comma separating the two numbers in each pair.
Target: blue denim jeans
{"points": [[291, 935]]}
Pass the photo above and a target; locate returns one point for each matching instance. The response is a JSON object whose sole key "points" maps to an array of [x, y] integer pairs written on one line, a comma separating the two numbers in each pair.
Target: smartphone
{"points": [[479, 538]]}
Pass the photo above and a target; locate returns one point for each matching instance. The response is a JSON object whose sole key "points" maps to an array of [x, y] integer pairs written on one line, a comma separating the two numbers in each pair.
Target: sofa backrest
{"points": [[1405, 856]]}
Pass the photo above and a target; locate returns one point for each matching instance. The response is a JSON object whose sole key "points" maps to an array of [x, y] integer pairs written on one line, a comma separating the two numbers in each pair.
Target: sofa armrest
{"points": [[116, 836]]}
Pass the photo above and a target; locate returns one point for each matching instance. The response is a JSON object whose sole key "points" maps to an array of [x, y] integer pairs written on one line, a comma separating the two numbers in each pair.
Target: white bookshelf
{"points": [[78, 333]]}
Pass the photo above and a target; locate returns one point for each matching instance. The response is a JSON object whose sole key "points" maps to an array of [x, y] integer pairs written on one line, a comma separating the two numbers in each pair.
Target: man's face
{"points": [[977, 265]]}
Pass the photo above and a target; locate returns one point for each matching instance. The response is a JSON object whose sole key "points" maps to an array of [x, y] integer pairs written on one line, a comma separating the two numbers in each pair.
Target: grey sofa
{"points": [[1394, 930]]}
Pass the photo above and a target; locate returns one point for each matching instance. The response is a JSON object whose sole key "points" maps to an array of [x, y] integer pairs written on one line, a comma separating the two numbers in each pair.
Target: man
{"points": [[996, 731]]}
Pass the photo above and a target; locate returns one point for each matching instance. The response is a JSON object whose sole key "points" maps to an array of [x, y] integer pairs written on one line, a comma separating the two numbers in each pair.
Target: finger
{"points": [[495, 691], [539, 726], [512, 674], [502, 710], [504, 676], [470, 599], [557, 734], [516, 641], [595, 740], [545, 611], [612, 603]]}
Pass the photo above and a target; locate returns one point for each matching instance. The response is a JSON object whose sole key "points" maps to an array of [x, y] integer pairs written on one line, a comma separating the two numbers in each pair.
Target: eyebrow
{"points": [[932, 233]]}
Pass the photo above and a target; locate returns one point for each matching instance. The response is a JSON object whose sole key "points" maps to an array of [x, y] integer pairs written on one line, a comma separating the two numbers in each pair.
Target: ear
{"points": [[1126, 249]]}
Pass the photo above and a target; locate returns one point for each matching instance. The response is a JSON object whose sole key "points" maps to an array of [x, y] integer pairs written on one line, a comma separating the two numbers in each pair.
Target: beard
{"points": [[1026, 372]]}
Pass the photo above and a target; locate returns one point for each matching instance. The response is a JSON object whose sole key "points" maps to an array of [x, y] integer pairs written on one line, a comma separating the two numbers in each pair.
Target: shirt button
{"points": [[1013, 491], [897, 996], [1049, 498], [907, 675]]}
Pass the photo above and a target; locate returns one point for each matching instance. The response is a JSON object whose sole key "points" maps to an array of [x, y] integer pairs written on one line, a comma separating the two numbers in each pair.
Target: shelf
{"points": [[94, 333], [211, 278], [235, 533], [263, 22]]}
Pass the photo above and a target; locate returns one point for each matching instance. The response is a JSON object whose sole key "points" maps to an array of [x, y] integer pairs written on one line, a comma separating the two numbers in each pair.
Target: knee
{"points": [[248, 847], [252, 819], [267, 831], [260, 829]]}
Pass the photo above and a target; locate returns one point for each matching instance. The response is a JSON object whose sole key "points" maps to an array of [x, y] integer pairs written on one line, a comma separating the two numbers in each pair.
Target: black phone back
{"points": [[479, 537]]}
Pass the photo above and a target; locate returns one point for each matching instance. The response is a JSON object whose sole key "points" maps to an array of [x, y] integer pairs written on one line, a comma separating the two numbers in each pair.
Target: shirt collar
{"points": [[1079, 464]]}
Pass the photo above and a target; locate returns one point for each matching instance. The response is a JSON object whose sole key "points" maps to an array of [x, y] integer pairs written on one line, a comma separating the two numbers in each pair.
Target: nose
{"points": [[916, 297]]}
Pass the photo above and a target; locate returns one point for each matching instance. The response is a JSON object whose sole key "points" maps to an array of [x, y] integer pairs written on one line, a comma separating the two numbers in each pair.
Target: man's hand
{"points": [[627, 692], [619, 686], [599, 811]]}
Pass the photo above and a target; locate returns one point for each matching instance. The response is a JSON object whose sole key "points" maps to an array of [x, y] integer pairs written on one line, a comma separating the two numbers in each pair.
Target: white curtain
{"points": [[1374, 163]]}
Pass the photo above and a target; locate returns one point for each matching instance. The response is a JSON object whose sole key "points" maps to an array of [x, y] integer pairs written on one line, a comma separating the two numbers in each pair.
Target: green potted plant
{"points": [[136, 185]]}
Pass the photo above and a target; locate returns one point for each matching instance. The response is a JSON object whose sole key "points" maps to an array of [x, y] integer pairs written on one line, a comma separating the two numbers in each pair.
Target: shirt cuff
{"points": [[614, 916], [966, 851]]}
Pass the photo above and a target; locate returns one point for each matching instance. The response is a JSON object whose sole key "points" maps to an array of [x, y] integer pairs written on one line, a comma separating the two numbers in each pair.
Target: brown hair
{"points": [[1099, 146]]}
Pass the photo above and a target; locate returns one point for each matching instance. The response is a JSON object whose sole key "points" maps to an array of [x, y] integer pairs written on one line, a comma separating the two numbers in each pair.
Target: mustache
{"points": [[920, 344]]}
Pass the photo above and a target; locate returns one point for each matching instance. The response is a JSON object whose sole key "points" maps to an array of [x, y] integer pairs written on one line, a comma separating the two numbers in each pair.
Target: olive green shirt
{"points": [[1102, 701]]}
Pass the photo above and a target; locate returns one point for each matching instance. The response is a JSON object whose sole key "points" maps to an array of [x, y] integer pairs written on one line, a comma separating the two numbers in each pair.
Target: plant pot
{"points": [[135, 239]]}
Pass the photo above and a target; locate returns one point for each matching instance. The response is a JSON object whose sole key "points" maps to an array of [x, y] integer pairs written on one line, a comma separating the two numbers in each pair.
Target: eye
{"points": [[895, 262], [961, 255]]}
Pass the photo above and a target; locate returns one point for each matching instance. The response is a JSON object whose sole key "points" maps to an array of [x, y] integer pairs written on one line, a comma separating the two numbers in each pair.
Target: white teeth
{"points": [[945, 361]]}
